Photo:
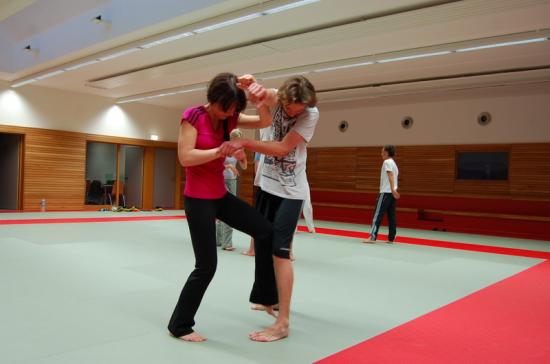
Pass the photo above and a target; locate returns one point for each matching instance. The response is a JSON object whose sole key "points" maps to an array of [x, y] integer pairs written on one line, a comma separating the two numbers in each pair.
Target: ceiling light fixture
{"points": [[164, 93], [343, 66], [503, 44], [130, 100], [228, 23], [80, 65], [293, 5], [23, 83], [118, 54], [50, 74], [414, 56], [166, 40], [282, 75]]}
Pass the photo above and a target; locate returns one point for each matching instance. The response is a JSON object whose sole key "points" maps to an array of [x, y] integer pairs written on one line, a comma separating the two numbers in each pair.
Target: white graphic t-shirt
{"points": [[286, 176]]}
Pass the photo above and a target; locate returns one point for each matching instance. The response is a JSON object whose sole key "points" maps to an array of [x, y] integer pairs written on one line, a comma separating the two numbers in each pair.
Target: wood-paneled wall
{"points": [[54, 166], [246, 180], [431, 170], [54, 169]]}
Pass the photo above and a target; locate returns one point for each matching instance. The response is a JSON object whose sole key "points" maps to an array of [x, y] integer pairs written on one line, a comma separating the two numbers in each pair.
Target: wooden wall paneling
{"points": [[426, 168], [245, 189], [330, 162], [55, 164], [431, 170], [529, 172], [148, 178], [53, 167], [369, 163]]}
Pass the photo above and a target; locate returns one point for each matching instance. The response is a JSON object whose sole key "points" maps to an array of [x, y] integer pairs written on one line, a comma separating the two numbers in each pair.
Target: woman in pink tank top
{"points": [[203, 130]]}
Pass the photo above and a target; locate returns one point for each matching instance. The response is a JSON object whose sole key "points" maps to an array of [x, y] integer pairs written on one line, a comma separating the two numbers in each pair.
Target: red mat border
{"points": [[531, 355], [438, 243], [77, 220]]}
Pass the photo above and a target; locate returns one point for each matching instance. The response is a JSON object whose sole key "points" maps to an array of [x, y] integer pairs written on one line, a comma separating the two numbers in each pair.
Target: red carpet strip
{"points": [[507, 322], [75, 220], [437, 243]]}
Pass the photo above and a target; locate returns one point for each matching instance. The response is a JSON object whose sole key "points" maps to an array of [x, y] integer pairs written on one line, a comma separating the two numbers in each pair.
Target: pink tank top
{"points": [[206, 180]]}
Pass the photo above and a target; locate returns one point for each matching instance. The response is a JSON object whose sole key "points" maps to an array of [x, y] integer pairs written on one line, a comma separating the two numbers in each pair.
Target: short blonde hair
{"points": [[297, 90]]}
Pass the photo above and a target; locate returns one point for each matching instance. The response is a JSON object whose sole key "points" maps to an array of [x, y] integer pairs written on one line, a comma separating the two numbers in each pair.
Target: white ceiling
{"points": [[306, 38], [10, 7], [37, 16]]}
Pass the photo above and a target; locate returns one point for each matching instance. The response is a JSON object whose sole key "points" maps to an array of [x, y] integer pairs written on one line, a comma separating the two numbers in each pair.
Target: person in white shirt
{"points": [[282, 189], [388, 196]]}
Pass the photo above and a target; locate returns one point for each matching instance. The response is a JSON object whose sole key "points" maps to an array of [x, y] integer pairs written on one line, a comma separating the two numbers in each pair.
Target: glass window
{"points": [[131, 176], [165, 178], [100, 172], [482, 165]]}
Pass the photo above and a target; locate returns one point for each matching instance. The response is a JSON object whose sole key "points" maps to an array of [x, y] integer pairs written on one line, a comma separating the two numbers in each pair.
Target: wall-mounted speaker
{"points": [[484, 118], [343, 126], [407, 122]]}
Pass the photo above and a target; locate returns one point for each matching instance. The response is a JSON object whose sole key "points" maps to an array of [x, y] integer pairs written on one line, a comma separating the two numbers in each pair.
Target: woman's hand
{"points": [[257, 94], [230, 147], [240, 156], [245, 80]]}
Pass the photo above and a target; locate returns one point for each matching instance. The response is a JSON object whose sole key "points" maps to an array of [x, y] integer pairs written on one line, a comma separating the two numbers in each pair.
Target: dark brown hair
{"points": [[223, 91], [297, 90], [390, 149]]}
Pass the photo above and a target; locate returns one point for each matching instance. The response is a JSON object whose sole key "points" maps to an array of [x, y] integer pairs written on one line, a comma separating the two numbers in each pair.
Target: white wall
{"points": [[520, 114], [39, 107]]}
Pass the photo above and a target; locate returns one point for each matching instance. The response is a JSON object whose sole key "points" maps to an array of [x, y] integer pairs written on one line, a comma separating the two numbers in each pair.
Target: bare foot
{"points": [[192, 337], [229, 248], [258, 307], [272, 333], [389, 242], [369, 241], [292, 257], [270, 310], [248, 252]]}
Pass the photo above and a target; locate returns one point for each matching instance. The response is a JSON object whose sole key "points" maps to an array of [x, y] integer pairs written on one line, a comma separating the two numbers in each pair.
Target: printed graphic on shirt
{"points": [[281, 169]]}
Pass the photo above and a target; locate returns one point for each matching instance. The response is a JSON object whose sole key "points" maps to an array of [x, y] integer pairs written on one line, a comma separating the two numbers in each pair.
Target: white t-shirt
{"points": [[286, 176], [228, 173], [388, 166]]}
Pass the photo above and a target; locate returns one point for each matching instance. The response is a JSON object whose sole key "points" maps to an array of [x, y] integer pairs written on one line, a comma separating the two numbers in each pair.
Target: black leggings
{"points": [[201, 218], [284, 214]]}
